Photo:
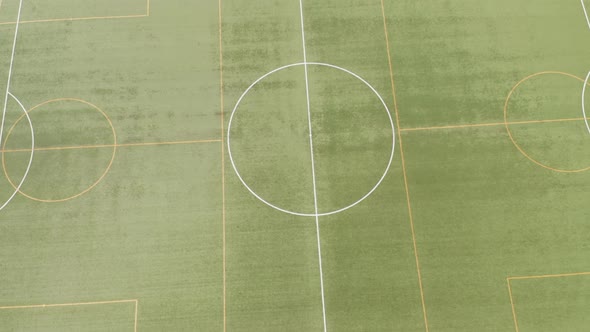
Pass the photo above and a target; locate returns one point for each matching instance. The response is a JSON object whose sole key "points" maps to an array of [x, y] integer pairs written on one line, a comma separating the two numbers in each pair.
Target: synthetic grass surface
{"points": [[131, 137]]}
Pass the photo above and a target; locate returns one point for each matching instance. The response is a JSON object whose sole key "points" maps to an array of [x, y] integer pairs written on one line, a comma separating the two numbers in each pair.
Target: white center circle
{"points": [[294, 212], [30, 158]]}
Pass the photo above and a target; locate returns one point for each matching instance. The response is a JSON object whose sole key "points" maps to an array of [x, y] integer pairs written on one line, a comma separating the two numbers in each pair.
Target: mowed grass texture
{"points": [[132, 201]]}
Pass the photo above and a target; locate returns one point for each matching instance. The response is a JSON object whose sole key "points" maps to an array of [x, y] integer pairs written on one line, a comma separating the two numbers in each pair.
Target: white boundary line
{"points": [[315, 194], [32, 153], [587, 76], [10, 70]]}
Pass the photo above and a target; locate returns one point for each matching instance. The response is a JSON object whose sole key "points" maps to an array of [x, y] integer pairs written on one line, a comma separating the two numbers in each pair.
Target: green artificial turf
{"points": [[132, 216]]}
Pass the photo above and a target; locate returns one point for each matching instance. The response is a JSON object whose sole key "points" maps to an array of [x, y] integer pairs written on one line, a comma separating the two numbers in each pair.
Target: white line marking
{"points": [[315, 194], [583, 100], [32, 153], [235, 167], [10, 70], [585, 13], [587, 76]]}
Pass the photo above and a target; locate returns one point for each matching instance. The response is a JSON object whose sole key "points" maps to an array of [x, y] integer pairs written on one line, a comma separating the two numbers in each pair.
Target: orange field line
{"points": [[512, 305], [66, 304], [76, 19], [221, 106], [111, 145], [509, 279], [491, 124], [404, 169], [83, 18], [551, 276]]}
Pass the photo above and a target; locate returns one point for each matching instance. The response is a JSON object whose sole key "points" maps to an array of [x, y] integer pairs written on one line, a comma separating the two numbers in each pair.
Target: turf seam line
{"points": [[414, 243]]}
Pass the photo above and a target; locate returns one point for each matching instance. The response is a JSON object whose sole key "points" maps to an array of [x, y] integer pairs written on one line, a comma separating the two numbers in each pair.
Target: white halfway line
{"points": [[587, 76], [315, 194], [20, 6]]}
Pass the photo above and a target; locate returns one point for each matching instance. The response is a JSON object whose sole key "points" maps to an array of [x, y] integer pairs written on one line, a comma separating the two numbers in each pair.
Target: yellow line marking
{"points": [[65, 304], [57, 148], [512, 305], [222, 165], [404, 168], [492, 124], [513, 140], [55, 305], [551, 276], [76, 19], [545, 276], [91, 186], [147, 14]]}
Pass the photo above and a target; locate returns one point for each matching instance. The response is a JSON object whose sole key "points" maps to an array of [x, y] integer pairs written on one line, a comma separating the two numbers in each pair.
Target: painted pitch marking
{"points": [[587, 76], [10, 70], [313, 177], [17, 188], [228, 135], [410, 214], [57, 305], [68, 19], [509, 279]]}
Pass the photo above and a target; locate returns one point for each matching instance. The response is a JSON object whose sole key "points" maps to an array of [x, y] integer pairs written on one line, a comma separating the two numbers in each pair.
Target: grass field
{"points": [[335, 165]]}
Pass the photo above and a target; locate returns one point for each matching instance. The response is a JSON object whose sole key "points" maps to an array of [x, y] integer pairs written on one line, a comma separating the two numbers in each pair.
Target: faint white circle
{"points": [[299, 213], [32, 152]]}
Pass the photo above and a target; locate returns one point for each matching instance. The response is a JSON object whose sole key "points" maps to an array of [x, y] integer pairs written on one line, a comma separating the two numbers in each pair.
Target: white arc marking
{"points": [[260, 198], [587, 76], [583, 100], [30, 158], [20, 5]]}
